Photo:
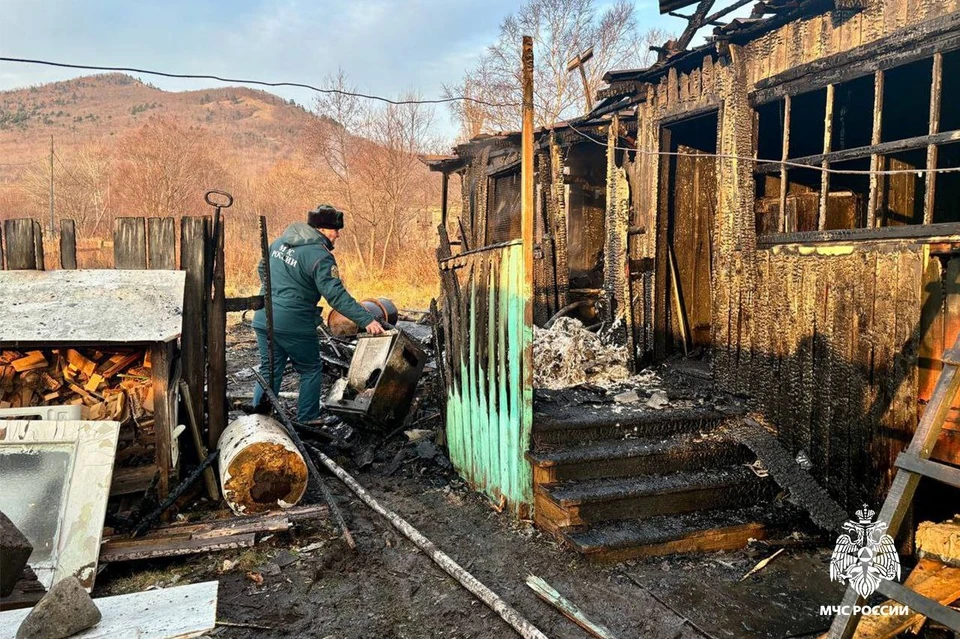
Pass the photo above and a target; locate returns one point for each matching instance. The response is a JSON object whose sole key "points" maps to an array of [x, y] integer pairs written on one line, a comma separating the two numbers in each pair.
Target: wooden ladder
{"points": [[912, 464]]}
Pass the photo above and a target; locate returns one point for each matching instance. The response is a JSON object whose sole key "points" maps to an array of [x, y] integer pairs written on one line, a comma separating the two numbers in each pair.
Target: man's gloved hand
{"points": [[374, 328]]}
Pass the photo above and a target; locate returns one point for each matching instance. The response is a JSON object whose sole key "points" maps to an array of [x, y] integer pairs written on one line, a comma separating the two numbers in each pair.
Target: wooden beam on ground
{"points": [[516, 621], [176, 540], [570, 610], [129, 243], [161, 243], [68, 244]]}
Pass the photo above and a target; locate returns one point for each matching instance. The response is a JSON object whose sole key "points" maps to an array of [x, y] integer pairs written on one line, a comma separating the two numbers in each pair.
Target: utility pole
{"points": [[53, 227], [527, 213]]}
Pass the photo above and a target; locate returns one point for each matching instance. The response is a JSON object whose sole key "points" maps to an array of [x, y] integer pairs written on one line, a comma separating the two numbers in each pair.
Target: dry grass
{"points": [[410, 281]]}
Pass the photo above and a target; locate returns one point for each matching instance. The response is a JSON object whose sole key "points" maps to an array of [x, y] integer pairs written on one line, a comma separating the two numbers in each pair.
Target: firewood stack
{"points": [[115, 385]]}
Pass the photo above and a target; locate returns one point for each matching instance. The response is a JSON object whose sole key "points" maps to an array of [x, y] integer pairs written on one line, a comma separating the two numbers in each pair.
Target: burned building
{"points": [[781, 199]]}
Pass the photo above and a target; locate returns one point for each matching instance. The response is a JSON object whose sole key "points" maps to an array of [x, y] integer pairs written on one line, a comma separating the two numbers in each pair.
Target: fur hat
{"points": [[325, 217]]}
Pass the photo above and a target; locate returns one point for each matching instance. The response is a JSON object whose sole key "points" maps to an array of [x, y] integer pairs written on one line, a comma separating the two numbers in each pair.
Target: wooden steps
{"points": [[615, 483], [632, 457], [652, 495], [562, 427], [689, 532]]}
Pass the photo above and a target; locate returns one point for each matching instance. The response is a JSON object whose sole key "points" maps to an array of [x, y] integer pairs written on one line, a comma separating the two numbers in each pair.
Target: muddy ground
{"points": [[308, 584]]}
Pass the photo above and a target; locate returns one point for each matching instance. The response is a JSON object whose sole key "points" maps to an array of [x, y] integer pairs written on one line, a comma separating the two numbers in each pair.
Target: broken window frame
{"points": [[79, 529], [495, 232], [876, 152]]}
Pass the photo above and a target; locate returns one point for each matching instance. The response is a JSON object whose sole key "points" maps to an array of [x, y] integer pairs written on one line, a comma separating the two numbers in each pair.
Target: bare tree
{"points": [[561, 29], [82, 185], [164, 168], [371, 153]]}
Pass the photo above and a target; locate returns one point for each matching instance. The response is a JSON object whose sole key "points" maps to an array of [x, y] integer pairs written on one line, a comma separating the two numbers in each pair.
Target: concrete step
{"points": [[554, 425], [594, 500], [636, 456], [712, 530]]}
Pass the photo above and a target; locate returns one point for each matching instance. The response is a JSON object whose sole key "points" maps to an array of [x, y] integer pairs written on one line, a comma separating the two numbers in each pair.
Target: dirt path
{"points": [[389, 589]]}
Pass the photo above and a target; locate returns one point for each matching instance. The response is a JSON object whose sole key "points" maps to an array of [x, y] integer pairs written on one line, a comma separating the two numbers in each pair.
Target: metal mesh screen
{"points": [[503, 208]]}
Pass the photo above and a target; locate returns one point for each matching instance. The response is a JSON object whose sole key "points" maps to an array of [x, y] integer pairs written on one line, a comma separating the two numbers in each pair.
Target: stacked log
{"points": [[107, 384]]}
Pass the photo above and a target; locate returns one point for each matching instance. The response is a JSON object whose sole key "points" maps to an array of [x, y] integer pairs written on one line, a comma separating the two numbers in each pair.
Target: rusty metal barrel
{"points": [[260, 467], [382, 309]]}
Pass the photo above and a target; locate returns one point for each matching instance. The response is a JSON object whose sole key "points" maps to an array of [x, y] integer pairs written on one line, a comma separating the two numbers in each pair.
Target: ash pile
{"points": [[567, 354]]}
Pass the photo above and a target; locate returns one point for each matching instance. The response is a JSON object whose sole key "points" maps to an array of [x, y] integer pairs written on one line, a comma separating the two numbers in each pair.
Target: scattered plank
{"points": [[570, 610], [31, 361], [761, 564], [931, 579], [940, 541], [164, 613], [221, 534], [140, 549]]}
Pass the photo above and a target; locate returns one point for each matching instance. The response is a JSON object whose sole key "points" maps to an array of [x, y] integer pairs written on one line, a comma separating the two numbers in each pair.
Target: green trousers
{"points": [[304, 351]]}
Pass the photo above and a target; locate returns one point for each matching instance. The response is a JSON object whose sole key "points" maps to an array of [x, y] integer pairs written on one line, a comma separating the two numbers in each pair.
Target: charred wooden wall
{"points": [[488, 158], [824, 338]]}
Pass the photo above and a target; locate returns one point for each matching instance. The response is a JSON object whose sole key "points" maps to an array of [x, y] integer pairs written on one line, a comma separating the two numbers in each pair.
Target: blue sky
{"points": [[385, 46]]}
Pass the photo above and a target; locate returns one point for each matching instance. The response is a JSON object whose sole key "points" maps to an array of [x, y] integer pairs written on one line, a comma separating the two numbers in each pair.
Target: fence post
{"points": [[161, 243], [68, 244], [194, 236], [129, 243], [21, 248]]}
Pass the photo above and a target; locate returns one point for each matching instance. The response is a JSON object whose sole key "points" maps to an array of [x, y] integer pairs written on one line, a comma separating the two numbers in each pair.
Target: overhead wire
{"points": [[300, 85], [645, 152], [785, 163], [64, 167]]}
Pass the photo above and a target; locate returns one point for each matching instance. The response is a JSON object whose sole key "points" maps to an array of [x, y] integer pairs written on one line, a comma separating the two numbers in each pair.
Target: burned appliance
{"points": [[381, 381]]}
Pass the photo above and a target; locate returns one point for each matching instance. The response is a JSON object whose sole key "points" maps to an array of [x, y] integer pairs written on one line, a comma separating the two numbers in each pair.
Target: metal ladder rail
{"points": [[912, 464]]}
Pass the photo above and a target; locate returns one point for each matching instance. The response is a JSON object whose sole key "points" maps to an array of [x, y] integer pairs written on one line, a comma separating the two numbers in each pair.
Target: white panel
{"points": [[102, 307], [164, 613]]}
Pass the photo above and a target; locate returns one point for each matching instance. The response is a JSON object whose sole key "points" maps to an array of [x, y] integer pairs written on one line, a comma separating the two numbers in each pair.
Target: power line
{"points": [[64, 167], [300, 85], [796, 165]]}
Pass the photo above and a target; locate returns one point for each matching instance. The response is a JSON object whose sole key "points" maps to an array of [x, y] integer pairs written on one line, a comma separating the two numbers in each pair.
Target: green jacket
{"points": [[302, 270]]}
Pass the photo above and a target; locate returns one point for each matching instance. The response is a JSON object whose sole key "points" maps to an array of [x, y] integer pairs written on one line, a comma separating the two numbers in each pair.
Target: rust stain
{"points": [[263, 475]]}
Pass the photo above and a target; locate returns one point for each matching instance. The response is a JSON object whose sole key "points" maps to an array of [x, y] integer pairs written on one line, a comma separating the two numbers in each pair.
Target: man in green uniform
{"points": [[302, 270]]}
